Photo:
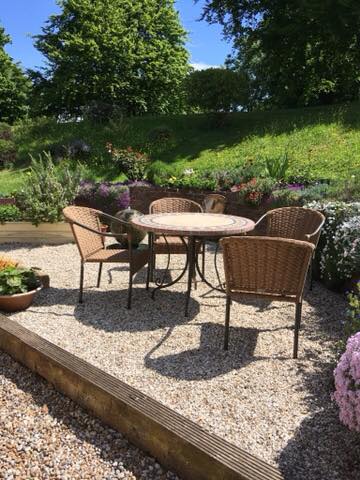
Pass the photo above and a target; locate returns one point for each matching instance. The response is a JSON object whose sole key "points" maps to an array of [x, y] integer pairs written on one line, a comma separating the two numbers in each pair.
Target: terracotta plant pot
{"points": [[18, 301]]}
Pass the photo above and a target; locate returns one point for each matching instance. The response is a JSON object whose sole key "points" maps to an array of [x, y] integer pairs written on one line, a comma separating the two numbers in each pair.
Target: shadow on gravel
{"points": [[209, 360], [106, 309], [110, 445], [322, 448]]}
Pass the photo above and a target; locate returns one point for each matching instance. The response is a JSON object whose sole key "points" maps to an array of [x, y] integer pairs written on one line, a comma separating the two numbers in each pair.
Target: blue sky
{"points": [[22, 18]]}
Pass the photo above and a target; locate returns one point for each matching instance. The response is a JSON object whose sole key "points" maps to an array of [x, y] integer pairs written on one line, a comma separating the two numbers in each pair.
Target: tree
{"points": [[217, 90], [14, 86], [296, 53], [128, 53]]}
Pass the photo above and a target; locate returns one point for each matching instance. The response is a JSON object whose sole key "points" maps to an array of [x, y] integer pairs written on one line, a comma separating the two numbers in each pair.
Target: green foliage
{"points": [[15, 280], [297, 53], [10, 213], [14, 86], [255, 191], [277, 166], [47, 190], [352, 323], [131, 162], [7, 153], [128, 54], [216, 90]]}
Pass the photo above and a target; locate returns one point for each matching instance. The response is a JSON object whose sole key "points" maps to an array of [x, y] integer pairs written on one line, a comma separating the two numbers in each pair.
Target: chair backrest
{"points": [[297, 223], [214, 203], [87, 242], [174, 205], [266, 266]]}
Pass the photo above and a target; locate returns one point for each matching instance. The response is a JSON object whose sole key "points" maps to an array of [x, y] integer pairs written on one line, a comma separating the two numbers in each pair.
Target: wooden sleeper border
{"points": [[176, 442]]}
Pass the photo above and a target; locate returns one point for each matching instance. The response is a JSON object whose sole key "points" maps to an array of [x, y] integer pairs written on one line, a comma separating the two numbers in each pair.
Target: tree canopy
{"points": [[297, 53], [14, 86], [128, 53], [217, 90]]}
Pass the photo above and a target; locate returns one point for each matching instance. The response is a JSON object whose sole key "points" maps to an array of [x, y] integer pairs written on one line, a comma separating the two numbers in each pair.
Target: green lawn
{"points": [[320, 142]]}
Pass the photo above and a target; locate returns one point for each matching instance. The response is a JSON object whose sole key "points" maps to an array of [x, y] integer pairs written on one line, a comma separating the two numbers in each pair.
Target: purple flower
{"points": [[123, 200], [103, 190], [295, 186]]}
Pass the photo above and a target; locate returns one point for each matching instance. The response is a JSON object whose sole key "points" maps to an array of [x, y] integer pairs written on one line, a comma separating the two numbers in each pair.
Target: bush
{"points": [[74, 150], [277, 166], [161, 134], [15, 280], [347, 384], [104, 196], [5, 131], [7, 153], [131, 162], [10, 213], [217, 90], [338, 253], [101, 112], [255, 191], [47, 190]]}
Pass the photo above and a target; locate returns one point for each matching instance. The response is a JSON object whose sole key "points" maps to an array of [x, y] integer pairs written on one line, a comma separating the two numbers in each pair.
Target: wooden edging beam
{"points": [[176, 442]]}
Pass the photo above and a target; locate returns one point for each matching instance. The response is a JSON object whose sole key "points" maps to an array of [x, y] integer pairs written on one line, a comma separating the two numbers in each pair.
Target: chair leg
{"points": [[297, 328], [148, 274], [81, 282], [203, 259], [311, 273], [99, 275], [130, 290], [227, 323]]}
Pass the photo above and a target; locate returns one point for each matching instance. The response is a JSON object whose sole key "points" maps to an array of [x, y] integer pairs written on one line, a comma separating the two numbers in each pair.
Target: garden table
{"points": [[193, 226]]}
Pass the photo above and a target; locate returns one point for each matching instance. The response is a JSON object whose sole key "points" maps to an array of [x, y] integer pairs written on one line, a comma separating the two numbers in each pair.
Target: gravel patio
{"points": [[255, 395]]}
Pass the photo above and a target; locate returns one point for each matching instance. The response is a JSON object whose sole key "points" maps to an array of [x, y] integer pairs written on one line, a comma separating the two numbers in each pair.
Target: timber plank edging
{"points": [[178, 443]]}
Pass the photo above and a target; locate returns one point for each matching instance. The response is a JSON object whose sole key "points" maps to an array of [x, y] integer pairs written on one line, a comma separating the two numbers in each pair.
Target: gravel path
{"points": [[44, 435], [255, 395]]}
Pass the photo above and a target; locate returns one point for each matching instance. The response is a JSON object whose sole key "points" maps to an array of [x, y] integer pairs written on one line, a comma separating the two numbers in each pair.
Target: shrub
{"points": [[104, 196], [255, 191], [217, 90], [17, 280], [132, 162], [161, 134], [101, 112], [338, 253], [277, 166], [47, 190], [10, 213], [7, 153], [347, 384], [75, 150], [5, 131]]}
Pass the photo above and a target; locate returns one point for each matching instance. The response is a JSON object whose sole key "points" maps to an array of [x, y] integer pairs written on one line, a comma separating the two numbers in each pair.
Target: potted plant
{"points": [[18, 287]]}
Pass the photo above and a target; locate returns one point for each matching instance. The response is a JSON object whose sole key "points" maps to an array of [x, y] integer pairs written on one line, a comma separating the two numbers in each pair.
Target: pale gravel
{"points": [[255, 395], [44, 435]]}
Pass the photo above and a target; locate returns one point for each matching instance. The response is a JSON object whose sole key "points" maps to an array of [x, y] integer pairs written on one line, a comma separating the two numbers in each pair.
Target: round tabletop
{"points": [[193, 224]]}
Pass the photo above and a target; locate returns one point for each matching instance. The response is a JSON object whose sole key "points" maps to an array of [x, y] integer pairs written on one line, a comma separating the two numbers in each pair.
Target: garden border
{"points": [[26, 232], [176, 442]]}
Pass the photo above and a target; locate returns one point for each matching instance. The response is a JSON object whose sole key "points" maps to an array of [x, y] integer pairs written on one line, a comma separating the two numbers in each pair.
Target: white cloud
{"points": [[203, 66]]}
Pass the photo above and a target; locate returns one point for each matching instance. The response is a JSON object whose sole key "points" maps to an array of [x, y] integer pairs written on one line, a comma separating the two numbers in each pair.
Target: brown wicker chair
{"points": [[86, 227], [272, 268], [297, 223], [214, 203], [172, 244]]}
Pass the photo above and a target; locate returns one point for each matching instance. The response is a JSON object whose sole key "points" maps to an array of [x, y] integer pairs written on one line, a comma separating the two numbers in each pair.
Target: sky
{"points": [[23, 18]]}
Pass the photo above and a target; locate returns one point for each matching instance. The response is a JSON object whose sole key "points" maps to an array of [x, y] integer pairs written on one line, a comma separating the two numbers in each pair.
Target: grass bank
{"points": [[320, 142]]}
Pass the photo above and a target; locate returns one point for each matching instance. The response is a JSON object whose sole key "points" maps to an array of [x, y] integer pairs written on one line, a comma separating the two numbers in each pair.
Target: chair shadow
{"points": [[321, 449], [106, 309], [110, 444], [209, 360]]}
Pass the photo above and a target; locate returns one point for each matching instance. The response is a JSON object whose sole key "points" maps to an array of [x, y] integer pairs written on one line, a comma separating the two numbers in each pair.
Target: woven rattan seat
{"points": [[297, 223], [86, 227], [266, 267], [172, 244]]}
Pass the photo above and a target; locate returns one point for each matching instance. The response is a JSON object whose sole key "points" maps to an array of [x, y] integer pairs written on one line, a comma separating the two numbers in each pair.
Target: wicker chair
{"points": [[272, 268], [85, 224], [214, 203], [172, 244], [297, 223]]}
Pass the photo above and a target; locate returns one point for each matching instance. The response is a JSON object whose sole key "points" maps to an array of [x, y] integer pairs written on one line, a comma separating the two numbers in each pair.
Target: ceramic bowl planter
{"points": [[17, 301]]}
